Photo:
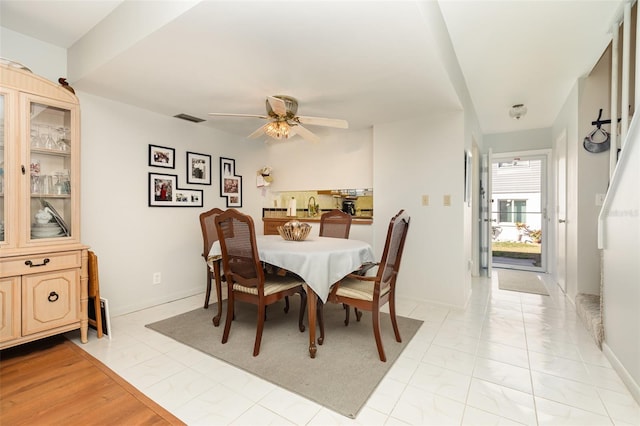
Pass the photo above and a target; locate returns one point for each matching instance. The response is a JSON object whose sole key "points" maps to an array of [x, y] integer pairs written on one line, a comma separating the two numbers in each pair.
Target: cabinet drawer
{"points": [[38, 263], [50, 300]]}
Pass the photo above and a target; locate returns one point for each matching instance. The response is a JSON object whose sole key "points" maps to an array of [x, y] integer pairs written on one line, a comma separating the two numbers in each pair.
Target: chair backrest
{"points": [[240, 259], [393, 247], [335, 223], [208, 226]]}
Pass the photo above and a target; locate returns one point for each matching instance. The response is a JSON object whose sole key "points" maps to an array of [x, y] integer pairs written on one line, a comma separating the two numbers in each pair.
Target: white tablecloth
{"points": [[319, 261]]}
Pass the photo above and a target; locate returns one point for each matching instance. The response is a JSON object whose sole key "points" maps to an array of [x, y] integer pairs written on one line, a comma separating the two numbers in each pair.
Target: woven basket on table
{"points": [[294, 231]]}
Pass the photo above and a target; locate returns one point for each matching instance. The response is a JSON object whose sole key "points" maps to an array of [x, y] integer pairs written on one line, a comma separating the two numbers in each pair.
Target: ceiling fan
{"points": [[283, 121]]}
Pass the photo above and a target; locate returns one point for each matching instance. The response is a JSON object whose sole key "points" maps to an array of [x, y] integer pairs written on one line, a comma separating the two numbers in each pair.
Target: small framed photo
{"points": [[231, 186], [234, 197], [162, 189], [198, 168], [161, 156], [230, 183], [188, 198]]}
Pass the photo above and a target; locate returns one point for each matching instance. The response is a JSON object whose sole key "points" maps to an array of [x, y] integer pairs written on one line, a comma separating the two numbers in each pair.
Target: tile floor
{"points": [[509, 358]]}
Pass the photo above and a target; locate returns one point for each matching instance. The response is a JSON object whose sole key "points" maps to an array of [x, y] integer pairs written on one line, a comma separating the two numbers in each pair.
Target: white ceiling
{"points": [[364, 61]]}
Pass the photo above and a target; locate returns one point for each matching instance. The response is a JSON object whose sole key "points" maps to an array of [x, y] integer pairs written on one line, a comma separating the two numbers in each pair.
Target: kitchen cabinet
{"points": [[43, 264]]}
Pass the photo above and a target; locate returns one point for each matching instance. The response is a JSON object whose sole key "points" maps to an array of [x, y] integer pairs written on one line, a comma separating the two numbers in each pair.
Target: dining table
{"points": [[319, 261]]}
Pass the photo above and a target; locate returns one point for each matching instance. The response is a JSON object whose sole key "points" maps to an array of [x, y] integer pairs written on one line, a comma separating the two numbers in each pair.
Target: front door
{"points": [[518, 211]]}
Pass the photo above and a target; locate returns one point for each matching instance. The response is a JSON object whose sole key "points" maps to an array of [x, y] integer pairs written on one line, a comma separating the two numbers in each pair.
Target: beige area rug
{"points": [[522, 281], [344, 373]]}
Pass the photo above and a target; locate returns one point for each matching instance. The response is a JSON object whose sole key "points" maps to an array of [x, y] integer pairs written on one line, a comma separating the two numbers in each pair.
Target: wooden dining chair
{"points": [[245, 276], [370, 293], [335, 223], [209, 236]]}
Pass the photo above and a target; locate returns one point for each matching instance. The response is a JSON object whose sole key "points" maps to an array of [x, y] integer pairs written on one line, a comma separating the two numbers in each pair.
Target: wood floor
{"points": [[53, 382]]}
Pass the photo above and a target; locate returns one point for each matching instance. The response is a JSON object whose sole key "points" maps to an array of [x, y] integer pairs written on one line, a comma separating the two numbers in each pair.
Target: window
{"points": [[512, 210]]}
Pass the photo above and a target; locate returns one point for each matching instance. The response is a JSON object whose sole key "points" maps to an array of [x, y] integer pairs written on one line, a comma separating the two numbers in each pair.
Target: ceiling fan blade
{"points": [[319, 121], [259, 132], [278, 106], [305, 133], [222, 114]]}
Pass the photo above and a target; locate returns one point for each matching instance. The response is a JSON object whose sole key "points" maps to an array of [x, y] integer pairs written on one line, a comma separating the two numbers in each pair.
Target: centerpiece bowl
{"points": [[294, 230]]}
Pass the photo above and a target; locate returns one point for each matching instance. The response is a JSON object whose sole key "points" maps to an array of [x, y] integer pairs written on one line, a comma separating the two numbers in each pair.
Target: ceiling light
{"points": [[277, 130], [518, 111]]}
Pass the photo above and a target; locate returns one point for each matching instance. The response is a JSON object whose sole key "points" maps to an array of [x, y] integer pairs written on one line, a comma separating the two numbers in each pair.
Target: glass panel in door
{"points": [[50, 167], [517, 212]]}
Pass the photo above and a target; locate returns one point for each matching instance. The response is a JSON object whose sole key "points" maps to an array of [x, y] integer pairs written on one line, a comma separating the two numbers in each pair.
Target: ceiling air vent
{"points": [[189, 118]]}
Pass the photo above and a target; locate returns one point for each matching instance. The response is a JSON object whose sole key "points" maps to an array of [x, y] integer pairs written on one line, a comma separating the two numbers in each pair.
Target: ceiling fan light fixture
{"points": [[277, 130], [518, 111]]}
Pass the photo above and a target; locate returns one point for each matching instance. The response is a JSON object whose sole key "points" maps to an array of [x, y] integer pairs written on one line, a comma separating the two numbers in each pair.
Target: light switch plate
{"points": [[425, 200], [446, 200]]}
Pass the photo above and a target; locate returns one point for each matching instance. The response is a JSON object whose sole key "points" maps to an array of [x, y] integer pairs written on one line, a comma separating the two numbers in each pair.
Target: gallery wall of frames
{"points": [[165, 188]]}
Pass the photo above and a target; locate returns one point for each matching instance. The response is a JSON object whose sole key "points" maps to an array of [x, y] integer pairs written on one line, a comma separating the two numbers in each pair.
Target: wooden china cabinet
{"points": [[43, 264]]}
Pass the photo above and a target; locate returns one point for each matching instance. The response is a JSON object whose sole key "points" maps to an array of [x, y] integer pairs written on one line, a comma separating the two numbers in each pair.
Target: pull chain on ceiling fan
{"points": [[284, 122]]}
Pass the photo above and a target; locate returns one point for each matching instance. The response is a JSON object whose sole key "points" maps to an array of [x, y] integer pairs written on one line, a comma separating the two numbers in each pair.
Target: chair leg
{"points": [[375, 314], [394, 321], [256, 346], [320, 316], [347, 314], [303, 307], [286, 304], [230, 315], [358, 314], [218, 279], [207, 293]]}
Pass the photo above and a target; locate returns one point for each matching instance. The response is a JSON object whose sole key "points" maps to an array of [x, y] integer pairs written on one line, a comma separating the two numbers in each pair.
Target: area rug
{"points": [[342, 376], [522, 281]]}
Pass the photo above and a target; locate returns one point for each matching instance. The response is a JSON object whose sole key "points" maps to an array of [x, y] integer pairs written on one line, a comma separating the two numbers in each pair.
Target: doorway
{"points": [[518, 211]]}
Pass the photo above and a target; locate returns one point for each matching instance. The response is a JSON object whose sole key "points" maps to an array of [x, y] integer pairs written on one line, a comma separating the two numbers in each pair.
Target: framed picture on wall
{"points": [[188, 198], [198, 168], [161, 189], [234, 196], [162, 156], [230, 183], [164, 192]]}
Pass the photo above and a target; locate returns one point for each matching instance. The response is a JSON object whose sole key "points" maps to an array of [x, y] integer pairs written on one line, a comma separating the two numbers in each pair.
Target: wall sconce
{"points": [[264, 177]]}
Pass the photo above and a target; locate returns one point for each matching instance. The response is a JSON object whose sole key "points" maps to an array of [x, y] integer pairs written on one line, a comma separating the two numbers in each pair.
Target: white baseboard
{"points": [[629, 382]]}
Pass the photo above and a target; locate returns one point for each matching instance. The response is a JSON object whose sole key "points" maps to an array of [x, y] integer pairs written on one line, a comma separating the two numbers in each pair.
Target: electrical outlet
{"points": [[446, 200], [157, 277]]}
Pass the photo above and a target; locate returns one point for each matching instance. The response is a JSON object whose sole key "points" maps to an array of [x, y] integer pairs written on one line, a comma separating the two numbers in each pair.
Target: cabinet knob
{"points": [[23, 169], [53, 296]]}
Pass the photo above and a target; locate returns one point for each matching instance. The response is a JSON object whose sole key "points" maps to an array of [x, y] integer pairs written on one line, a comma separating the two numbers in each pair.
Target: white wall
{"points": [[525, 140], [42, 58], [424, 157], [592, 174], [342, 159], [131, 239]]}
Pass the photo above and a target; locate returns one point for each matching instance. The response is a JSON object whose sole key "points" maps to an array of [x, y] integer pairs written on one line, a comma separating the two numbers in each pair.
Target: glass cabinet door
{"points": [[50, 171]]}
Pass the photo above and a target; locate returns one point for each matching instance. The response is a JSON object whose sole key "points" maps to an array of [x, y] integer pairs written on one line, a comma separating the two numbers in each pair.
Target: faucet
{"points": [[312, 207]]}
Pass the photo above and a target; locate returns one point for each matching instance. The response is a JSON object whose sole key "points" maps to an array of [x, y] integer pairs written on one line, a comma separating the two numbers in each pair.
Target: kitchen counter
{"points": [[271, 223]]}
